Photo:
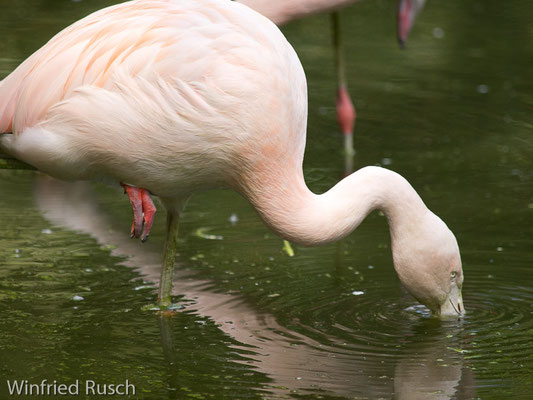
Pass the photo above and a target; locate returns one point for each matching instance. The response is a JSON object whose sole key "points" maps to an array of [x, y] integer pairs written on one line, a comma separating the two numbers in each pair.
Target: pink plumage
{"points": [[172, 97], [137, 37]]}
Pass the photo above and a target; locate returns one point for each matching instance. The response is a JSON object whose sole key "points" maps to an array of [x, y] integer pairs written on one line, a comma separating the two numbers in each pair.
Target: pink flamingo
{"points": [[283, 11], [180, 96]]}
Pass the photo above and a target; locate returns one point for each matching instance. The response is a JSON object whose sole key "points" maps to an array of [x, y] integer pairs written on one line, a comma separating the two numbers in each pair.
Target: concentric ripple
{"points": [[500, 324], [381, 338]]}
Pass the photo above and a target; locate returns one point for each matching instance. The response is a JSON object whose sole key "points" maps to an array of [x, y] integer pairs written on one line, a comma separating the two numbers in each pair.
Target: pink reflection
{"points": [[293, 361]]}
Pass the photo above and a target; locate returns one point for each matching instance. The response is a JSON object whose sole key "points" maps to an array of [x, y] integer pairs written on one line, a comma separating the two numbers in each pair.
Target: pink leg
{"points": [[149, 211], [346, 116], [345, 111]]}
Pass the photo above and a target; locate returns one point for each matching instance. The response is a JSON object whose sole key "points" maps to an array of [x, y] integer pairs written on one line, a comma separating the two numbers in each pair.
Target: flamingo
{"points": [[283, 11], [168, 98]]}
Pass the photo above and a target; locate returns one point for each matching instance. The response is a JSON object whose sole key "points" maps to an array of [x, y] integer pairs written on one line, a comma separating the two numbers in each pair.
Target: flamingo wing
{"points": [[86, 53], [139, 38]]}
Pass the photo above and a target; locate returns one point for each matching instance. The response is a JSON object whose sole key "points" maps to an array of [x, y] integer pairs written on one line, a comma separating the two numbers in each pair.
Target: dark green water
{"points": [[452, 114]]}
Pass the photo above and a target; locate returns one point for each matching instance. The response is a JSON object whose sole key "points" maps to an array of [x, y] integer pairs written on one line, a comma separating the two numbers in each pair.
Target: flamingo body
{"points": [[283, 11], [150, 93], [179, 96]]}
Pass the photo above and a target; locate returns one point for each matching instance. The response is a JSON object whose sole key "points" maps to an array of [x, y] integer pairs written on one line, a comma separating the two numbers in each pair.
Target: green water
{"points": [[452, 114]]}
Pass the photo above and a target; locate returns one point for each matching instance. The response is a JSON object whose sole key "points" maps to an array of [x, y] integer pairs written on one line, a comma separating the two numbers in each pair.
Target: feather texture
{"points": [[179, 96], [156, 87]]}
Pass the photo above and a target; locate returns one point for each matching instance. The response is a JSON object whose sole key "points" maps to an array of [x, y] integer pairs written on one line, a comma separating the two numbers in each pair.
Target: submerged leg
{"points": [[167, 271]]}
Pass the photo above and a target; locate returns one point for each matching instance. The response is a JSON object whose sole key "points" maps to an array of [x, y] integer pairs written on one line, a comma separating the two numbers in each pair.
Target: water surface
{"points": [[452, 114]]}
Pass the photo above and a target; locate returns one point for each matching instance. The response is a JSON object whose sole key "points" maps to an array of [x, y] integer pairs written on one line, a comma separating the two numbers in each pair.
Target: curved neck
{"points": [[289, 208]]}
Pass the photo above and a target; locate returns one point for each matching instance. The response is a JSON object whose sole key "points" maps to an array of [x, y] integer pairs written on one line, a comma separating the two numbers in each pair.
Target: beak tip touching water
{"points": [[453, 306]]}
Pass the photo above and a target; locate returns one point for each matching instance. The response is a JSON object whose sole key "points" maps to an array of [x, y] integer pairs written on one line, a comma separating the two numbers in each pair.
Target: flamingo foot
{"points": [[143, 211]]}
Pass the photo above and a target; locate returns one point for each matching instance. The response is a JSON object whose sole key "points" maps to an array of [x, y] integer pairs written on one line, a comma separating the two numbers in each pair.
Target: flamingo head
{"points": [[428, 263]]}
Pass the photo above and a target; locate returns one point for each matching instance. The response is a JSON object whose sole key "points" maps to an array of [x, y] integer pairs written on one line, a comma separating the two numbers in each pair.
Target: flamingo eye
{"points": [[453, 274]]}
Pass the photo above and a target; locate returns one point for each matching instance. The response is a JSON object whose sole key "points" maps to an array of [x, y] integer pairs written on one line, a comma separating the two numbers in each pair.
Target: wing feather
{"points": [[228, 66], [136, 37]]}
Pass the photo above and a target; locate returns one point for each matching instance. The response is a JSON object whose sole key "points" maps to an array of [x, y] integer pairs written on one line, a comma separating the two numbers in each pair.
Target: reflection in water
{"points": [[428, 359], [434, 368], [170, 354]]}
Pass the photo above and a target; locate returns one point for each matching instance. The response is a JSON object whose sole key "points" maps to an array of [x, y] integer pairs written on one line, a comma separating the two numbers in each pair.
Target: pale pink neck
{"points": [[290, 209]]}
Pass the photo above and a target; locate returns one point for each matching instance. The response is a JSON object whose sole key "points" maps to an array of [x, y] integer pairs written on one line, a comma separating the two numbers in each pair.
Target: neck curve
{"points": [[295, 213]]}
